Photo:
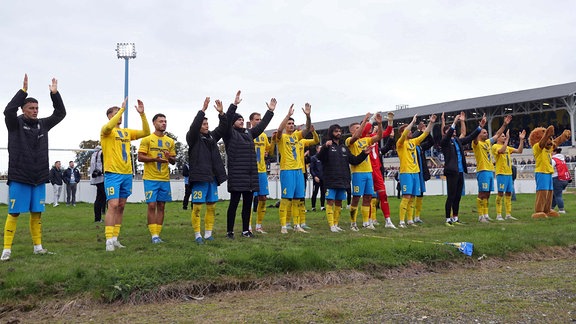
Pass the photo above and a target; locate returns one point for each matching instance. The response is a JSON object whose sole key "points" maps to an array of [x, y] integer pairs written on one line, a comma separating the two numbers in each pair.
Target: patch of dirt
{"points": [[526, 287]]}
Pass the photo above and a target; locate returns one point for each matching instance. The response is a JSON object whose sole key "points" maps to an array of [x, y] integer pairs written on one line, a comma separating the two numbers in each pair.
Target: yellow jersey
{"points": [[154, 146], [357, 148], [503, 160], [116, 144], [288, 149], [543, 157], [304, 143], [483, 156], [261, 145], [407, 153]]}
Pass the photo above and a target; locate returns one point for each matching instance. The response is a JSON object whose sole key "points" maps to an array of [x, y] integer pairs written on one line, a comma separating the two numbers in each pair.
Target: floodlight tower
{"points": [[126, 51]]}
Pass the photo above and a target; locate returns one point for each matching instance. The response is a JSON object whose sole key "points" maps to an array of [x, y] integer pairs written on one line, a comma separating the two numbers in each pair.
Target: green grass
{"points": [[82, 267]]}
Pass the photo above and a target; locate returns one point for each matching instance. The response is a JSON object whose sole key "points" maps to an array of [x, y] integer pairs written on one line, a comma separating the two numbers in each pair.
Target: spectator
{"points": [[97, 179], [71, 178], [56, 181]]}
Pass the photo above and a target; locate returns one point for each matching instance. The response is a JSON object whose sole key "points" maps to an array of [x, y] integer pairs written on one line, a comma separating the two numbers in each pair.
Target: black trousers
{"points": [[455, 184], [187, 193], [100, 202], [233, 206], [318, 186]]}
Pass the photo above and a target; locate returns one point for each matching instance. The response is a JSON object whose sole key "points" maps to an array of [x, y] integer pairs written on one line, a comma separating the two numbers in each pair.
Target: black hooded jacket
{"points": [[204, 157], [28, 160], [242, 164]]}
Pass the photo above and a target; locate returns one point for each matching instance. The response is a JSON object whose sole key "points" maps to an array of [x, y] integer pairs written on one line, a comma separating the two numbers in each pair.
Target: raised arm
{"points": [[358, 133], [222, 129], [462, 124], [145, 127], [520, 148], [193, 133], [307, 110], [284, 122], [547, 135], [406, 131], [474, 134], [109, 126], [502, 128], [376, 138], [258, 129], [11, 110], [504, 147]]}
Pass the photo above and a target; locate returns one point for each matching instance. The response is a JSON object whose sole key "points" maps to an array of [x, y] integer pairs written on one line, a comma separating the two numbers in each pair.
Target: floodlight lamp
{"points": [[126, 50]]}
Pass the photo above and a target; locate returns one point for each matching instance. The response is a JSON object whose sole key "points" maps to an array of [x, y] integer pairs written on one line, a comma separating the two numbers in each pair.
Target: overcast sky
{"points": [[344, 57]]}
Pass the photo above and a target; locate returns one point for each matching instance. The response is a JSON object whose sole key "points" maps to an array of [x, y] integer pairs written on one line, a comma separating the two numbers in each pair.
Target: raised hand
{"points": [[140, 107], [483, 121], [390, 115], [206, 103], [307, 109], [456, 119], [522, 135], [25, 84], [124, 102], [54, 86], [507, 119], [272, 105], [378, 118], [218, 106], [442, 118], [237, 99], [291, 110], [462, 116], [433, 118], [414, 119]]}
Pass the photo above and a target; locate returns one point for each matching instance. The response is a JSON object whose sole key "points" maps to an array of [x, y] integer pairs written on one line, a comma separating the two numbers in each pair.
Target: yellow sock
{"points": [[410, 209], [480, 206], [36, 228], [117, 230], [337, 213], [499, 205], [365, 214], [296, 211], [109, 232], [508, 205], [373, 208], [353, 213], [260, 211], [418, 208], [285, 205], [302, 210], [158, 229], [330, 215], [9, 231], [196, 208], [403, 208], [289, 214], [210, 216], [152, 229], [485, 200]]}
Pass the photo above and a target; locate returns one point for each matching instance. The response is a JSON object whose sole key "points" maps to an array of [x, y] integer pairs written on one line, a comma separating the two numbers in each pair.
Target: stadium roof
{"points": [[480, 103]]}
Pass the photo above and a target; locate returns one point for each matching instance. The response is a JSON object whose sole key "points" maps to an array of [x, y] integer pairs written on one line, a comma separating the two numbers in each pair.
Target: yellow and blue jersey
{"points": [[154, 146], [288, 149], [407, 153], [543, 157], [357, 148], [261, 145], [503, 161], [483, 155]]}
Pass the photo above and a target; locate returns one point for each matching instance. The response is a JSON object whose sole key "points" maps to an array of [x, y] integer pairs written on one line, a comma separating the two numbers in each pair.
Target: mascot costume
{"points": [[542, 144]]}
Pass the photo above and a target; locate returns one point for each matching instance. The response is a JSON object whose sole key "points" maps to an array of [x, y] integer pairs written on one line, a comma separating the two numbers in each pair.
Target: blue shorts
{"points": [[504, 182], [362, 184], [117, 185], [23, 197], [336, 194], [155, 190], [543, 181], [292, 184], [263, 184], [485, 181], [410, 183], [204, 192]]}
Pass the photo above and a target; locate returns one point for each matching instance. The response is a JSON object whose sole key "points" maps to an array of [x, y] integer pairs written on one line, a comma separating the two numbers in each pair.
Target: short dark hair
{"points": [[353, 124], [253, 114], [290, 118], [402, 128], [157, 116], [28, 100], [111, 109]]}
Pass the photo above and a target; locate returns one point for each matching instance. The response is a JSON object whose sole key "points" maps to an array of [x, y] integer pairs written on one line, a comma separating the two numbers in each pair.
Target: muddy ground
{"points": [[528, 288]]}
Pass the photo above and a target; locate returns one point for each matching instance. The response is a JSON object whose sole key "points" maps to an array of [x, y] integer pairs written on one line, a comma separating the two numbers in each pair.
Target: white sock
{"points": [[197, 235], [38, 247], [207, 234]]}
